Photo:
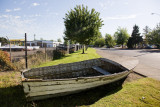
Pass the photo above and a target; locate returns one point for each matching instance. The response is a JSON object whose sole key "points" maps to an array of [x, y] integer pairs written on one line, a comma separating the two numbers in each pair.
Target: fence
{"points": [[42, 56]]}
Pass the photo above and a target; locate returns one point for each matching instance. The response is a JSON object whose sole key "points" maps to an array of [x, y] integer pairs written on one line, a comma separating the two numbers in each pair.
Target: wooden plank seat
{"points": [[101, 70]]}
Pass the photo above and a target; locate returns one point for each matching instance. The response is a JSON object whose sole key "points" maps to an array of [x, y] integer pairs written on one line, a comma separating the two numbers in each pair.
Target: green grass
{"points": [[74, 57], [144, 92]]}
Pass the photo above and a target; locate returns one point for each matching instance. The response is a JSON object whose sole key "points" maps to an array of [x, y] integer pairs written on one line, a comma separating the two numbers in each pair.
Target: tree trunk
{"points": [[83, 50], [75, 47], [122, 46]]}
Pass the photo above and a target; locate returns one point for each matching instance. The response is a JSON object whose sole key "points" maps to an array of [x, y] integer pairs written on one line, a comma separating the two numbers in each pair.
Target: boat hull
{"points": [[42, 89]]}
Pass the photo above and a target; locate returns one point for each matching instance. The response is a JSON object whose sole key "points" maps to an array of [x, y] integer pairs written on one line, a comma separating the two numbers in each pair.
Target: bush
{"points": [[100, 42], [57, 54], [5, 63]]}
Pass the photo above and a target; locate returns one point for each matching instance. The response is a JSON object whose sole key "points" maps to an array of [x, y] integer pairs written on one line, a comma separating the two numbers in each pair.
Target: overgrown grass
{"points": [[143, 92], [74, 57]]}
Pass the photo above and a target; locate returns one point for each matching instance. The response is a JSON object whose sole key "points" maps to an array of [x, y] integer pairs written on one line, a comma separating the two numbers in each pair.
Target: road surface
{"points": [[149, 59]]}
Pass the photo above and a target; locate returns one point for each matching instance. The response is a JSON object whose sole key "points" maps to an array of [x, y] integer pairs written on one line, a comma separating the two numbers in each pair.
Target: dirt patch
{"points": [[133, 76]]}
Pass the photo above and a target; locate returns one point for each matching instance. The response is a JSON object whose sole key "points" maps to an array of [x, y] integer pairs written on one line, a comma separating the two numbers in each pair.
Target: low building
{"points": [[19, 42], [43, 43]]}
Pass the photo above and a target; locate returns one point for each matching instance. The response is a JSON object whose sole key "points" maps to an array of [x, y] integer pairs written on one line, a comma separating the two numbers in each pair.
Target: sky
{"points": [[44, 18]]}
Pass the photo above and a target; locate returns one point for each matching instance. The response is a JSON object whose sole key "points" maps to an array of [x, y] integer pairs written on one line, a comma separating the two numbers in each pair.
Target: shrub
{"points": [[100, 42], [5, 63], [58, 54]]}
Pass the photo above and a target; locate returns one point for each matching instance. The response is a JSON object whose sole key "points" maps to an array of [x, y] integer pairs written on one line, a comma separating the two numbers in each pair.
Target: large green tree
{"points": [[82, 25], [109, 40], [121, 36], [136, 38]]}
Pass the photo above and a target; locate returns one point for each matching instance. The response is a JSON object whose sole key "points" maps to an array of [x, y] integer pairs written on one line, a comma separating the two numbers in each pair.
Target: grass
{"points": [[74, 57], [142, 92]]}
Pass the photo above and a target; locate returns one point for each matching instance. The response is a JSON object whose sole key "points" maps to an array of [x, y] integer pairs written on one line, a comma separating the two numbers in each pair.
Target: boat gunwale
{"points": [[68, 79], [24, 79]]}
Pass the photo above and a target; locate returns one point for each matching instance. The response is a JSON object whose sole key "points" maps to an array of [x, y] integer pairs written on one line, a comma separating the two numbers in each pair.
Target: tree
{"points": [[3, 40], [52, 40], [109, 40], [100, 42], [153, 37], [59, 40], [121, 36], [136, 38], [82, 25], [130, 43], [146, 30]]}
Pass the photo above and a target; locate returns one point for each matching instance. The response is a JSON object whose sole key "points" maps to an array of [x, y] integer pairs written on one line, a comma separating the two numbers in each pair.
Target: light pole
{"points": [[155, 14]]}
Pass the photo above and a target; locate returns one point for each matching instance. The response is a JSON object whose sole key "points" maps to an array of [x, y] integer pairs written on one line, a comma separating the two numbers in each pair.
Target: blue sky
{"points": [[45, 17]]}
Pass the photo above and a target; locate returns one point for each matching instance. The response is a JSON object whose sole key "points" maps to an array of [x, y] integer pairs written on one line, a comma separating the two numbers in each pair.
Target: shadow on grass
{"points": [[15, 97], [65, 56], [12, 96]]}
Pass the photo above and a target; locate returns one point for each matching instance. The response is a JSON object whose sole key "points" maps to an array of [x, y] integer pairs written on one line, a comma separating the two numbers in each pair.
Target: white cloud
{"points": [[5, 16], [106, 4], [121, 17], [16, 25], [17, 9], [126, 3], [35, 4], [17, 17], [8, 10]]}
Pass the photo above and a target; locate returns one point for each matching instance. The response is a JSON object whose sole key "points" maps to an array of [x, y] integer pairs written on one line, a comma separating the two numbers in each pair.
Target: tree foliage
{"points": [[130, 43], [109, 40], [153, 37], [59, 40], [121, 36], [100, 42], [3, 40], [136, 38], [82, 25], [146, 30]]}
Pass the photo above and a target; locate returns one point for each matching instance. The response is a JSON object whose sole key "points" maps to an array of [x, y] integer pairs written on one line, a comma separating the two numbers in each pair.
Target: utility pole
{"points": [[9, 49], [34, 37], [26, 50], [45, 54]]}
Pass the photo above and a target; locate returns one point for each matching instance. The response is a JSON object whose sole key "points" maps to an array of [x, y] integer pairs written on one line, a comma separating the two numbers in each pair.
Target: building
{"points": [[19, 42], [43, 43]]}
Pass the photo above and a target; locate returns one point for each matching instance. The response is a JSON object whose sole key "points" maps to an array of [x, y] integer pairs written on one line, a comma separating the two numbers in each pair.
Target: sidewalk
{"points": [[131, 63]]}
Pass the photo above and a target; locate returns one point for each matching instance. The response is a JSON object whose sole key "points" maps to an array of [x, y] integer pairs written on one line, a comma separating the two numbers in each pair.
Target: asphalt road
{"points": [[149, 60]]}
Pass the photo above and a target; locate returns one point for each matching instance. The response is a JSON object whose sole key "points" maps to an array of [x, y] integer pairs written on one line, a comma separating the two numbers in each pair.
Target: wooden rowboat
{"points": [[64, 79]]}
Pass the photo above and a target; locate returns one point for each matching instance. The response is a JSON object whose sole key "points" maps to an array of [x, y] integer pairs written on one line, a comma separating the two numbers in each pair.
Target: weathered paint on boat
{"points": [[37, 86]]}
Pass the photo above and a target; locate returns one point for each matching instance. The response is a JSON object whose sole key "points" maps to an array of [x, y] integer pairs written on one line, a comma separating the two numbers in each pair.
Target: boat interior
{"points": [[88, 68]]}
